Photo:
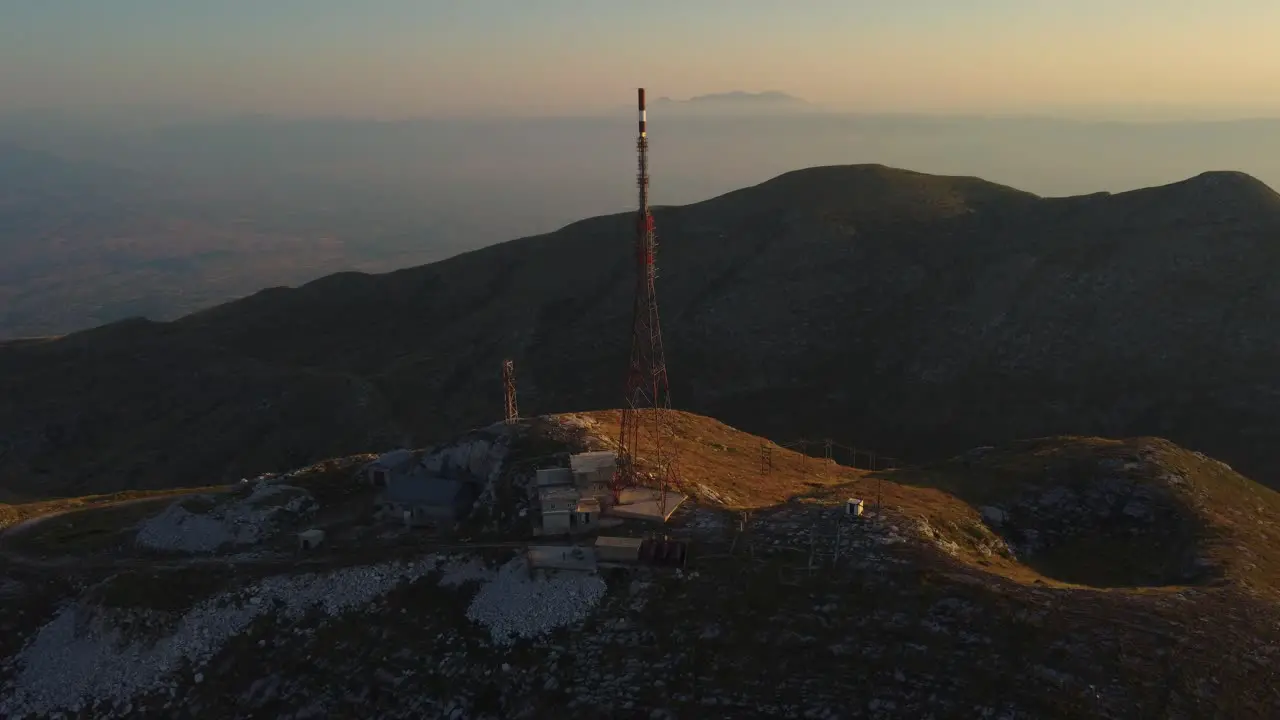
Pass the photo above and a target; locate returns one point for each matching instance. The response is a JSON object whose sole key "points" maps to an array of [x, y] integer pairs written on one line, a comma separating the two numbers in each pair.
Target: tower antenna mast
{"points": [[646, 414]]}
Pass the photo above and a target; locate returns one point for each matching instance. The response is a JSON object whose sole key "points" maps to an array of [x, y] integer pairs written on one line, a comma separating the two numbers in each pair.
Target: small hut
{"points": [[389, 466], [310, 539]]}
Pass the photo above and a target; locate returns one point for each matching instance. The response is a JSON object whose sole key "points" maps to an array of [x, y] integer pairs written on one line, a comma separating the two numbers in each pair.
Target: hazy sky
{"points": [[391, 58]]}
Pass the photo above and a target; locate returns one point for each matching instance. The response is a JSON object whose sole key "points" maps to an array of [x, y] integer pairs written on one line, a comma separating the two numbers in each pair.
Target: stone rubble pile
{"points": [[514, 605], [243, 521], [177, 529], [82, 658]]}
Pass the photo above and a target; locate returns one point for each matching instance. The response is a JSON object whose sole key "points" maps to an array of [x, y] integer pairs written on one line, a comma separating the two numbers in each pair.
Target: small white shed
{"points": [[310, 539], [388, 466]]}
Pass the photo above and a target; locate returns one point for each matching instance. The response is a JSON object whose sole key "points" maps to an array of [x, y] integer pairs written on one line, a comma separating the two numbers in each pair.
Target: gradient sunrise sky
{"points": [[397, 58]]}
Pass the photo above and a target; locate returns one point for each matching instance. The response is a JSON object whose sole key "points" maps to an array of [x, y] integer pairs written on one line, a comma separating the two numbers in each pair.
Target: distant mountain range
{"points": [[737, 101], [913, 314]]}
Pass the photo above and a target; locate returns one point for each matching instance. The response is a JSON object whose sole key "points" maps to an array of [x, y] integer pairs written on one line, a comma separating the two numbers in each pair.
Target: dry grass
{"points": [[722, 465], [11, 515], [97, 524], [1149, 635], [1241, 517], [1236, 521]]}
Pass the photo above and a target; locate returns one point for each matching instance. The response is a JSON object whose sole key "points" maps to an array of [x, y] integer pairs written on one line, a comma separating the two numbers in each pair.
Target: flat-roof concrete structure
{"points": [[618, 549], [590, 461], [557, 499], [563, 509], [593, 469], [556, 505], [551, 477], [642, 504]]}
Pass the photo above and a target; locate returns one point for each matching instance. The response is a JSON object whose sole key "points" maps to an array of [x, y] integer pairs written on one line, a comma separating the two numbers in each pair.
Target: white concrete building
{"points": [[388, 466]]}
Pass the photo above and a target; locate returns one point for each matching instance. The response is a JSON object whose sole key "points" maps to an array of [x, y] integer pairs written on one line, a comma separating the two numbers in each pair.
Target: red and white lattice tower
{"points": [[647, 424]]}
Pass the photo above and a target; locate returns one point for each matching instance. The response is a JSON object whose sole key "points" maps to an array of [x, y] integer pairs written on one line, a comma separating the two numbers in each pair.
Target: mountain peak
{"points": [[872, 190], [1212, 192], [1229, 180]]}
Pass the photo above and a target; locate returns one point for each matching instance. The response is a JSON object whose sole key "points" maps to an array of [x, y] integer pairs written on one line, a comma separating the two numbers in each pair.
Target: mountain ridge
{"points": [[770, 96], [767, 102], [911, 313]]}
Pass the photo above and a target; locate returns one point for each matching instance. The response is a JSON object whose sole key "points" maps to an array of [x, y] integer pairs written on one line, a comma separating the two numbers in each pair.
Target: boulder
{"points": [[994, 516]]}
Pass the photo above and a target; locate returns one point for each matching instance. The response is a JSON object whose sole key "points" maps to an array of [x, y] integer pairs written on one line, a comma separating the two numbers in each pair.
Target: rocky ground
{"points": [[932, 604], [625, 642], [209, 523], [875, 634]]}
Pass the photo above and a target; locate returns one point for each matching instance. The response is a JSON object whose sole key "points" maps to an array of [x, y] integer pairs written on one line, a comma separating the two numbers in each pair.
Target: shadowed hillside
{"points": [[915, 314]]}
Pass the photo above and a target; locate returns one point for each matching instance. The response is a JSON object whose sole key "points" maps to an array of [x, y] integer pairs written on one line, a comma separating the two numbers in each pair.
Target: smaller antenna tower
{"points": [[509, 392]]}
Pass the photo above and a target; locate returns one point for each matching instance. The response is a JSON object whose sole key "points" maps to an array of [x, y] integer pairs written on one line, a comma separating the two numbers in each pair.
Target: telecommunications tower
{"points": [[647, 421]]}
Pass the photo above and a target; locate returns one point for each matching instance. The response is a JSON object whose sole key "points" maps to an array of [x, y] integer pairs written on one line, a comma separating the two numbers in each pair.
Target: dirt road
{"points": [[330, 557], [15, 557]]}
